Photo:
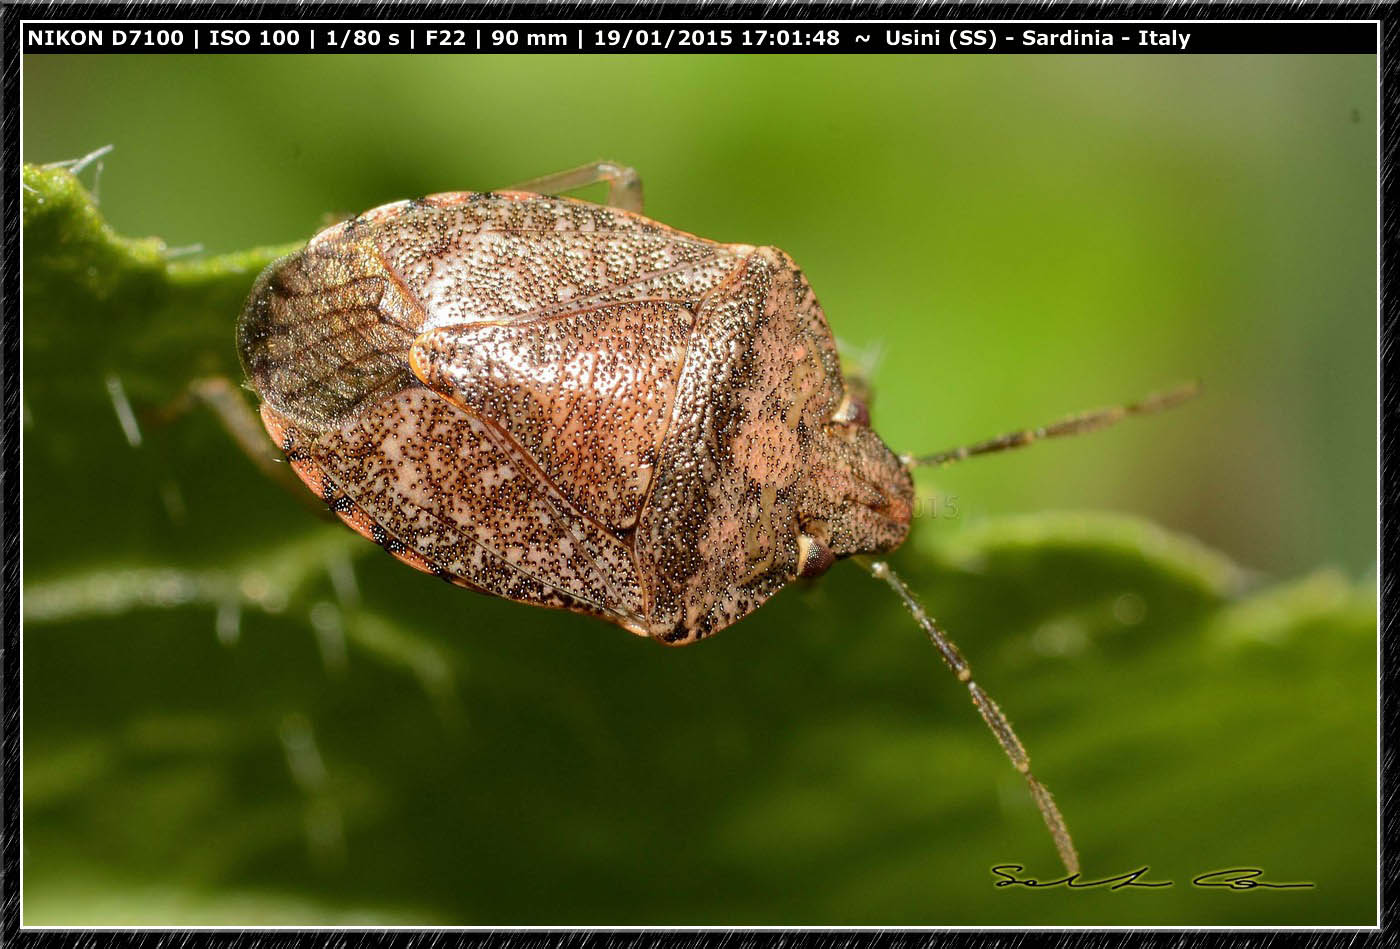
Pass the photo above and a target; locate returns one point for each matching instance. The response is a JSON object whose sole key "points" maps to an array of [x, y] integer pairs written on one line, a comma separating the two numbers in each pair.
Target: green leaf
{"points": [[235, 713]]}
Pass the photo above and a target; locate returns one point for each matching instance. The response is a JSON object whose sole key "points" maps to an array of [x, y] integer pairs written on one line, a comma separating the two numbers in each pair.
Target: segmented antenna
{"points": [[991, 714], [1073, 425]]}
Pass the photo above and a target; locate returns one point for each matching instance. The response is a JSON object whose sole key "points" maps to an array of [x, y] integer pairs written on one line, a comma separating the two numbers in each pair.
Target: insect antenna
{"points": [[989, 710], [1072, 425]]}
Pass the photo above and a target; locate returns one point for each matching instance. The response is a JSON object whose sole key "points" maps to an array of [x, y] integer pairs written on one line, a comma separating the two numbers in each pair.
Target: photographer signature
{"points": [[1235, 878]]}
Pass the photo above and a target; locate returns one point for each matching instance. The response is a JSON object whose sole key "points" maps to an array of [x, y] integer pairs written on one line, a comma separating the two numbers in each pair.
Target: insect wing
{"points": [[587, 395], [500, 257], [450, 496], [324, 334]]}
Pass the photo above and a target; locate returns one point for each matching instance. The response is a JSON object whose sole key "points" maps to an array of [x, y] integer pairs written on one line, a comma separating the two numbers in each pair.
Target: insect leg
{"points": [[624, 184], [1072, 425], [242, 424], [989, 710]]}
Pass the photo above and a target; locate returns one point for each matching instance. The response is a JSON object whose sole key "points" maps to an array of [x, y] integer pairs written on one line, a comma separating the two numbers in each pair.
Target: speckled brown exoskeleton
{"points": [[570, 405]]}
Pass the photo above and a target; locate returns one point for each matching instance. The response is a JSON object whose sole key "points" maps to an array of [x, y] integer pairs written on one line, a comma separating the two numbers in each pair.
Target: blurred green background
{"points": [[237, 713]]}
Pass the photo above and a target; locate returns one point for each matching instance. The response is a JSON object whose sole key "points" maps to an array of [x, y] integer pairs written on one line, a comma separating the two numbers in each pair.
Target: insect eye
{"points": [[814, 555]]}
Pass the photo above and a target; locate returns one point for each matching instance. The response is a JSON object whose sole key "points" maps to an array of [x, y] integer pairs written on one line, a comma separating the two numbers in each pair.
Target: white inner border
{"points": [[647, 24]]}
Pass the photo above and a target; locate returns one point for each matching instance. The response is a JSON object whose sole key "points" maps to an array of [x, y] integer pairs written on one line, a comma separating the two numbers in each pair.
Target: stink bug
{"points": [[571, 405]]}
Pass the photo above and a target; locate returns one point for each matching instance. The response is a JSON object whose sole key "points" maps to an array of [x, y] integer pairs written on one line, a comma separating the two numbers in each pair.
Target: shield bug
{"points": [[571, 405]]}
